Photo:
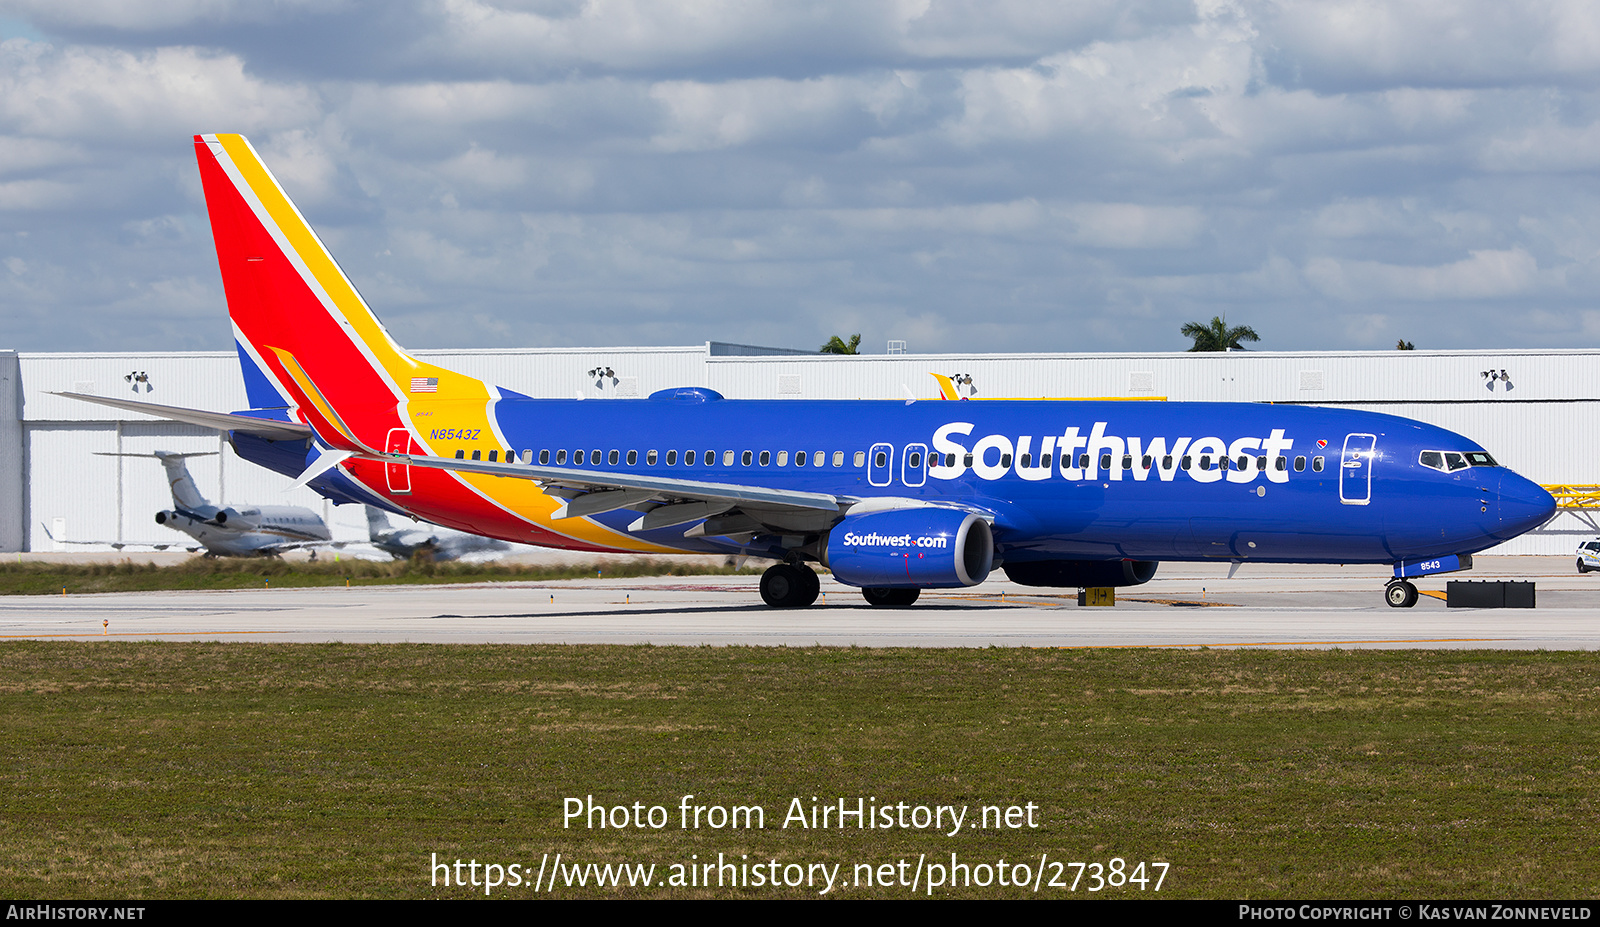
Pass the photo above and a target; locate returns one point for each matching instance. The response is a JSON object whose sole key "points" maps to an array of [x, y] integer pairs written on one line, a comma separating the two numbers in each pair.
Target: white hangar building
{"points": [[1531, 409]]}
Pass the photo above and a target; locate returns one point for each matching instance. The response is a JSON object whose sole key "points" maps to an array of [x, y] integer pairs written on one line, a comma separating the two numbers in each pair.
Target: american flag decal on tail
{"points": [[424, 384]]}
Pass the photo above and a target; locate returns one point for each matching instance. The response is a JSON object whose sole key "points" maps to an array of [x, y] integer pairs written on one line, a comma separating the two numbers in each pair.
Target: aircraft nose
{"points": [[1524, 505]]}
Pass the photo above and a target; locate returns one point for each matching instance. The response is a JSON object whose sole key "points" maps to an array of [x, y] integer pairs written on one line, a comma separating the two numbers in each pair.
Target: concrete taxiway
{"points": [[1187, 605]]}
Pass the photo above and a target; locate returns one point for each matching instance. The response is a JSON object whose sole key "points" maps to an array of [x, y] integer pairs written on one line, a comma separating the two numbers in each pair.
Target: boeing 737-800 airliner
{"points": [[893, 497]]}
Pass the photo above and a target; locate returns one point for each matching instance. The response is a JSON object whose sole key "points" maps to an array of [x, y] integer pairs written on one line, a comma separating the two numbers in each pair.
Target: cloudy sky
{"points": [[977, 175]]}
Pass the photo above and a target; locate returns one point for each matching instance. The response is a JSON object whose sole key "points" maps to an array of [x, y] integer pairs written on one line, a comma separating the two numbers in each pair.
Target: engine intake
{"points": [[921, 548]]}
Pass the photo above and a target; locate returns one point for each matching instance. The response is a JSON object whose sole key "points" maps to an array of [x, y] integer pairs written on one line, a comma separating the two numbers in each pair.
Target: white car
{"points": [[1589, 556]]}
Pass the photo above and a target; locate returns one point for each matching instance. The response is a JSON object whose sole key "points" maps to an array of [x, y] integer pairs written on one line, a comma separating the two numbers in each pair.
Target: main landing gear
{"points": [[793, 585], [890, 598], [788, 585], [1400, 594]]}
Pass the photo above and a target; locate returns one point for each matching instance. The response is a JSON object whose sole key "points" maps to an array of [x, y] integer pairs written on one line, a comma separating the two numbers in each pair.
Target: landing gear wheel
{"points": [[1400, 595], [811, 586], [787, 586], [890, 598]]}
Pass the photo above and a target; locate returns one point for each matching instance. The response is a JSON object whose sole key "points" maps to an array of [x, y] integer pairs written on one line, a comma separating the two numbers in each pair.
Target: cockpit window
{"points": [[1451, 461]]}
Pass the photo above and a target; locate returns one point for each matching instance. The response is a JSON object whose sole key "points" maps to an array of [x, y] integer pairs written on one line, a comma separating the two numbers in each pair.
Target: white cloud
{"points": [[1483, 275], [96, 95], [1130, 225]]}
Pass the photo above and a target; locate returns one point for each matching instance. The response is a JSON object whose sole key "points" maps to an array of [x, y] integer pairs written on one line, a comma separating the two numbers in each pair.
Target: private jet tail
{"points": [[306, 339]]}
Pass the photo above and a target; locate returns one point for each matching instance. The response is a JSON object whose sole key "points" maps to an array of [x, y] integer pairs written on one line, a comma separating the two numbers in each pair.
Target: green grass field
{"points": [[167, 770], [43, 578]]}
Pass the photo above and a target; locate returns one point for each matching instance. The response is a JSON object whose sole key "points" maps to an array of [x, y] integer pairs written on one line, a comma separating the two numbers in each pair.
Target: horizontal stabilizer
{"points": [[326, 462], [222, 421]]}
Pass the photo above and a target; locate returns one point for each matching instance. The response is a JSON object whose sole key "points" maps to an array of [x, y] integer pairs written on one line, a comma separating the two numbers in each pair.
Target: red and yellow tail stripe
{"points": [[319, 344]]}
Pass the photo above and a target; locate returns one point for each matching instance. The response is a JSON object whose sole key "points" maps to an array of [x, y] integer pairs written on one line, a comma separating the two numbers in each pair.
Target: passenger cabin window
{"points": [[916, 460], [494, 456], [1146, 462], [633, 457], [766, 458], [544, 457], [650, 457], [1166, 462], [612, 458], [727, 458], [860, 458], [880, 459], [1205, 461], [1316, 464], [819, 458], [1187, 463], [1282, 463], [688, 458], [966, 460], [577, 458], [1027, 461], [1127, 462], [1299, 464], [800, 458], [838, 458], [747, 458], [1083, 461], [477, 455], [783, 458], [1105, 461], [1005, 460], [561, 457], [672, 458]]}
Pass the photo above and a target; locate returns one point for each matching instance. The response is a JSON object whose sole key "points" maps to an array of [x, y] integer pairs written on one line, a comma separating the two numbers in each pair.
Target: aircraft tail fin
{"points": [[377, 523], [306, 338], [185, 494]]}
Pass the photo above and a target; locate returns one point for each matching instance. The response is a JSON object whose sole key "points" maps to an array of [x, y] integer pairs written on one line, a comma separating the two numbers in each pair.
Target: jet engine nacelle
{"points": [[922, 548], [163, 517], [1081, 573]]}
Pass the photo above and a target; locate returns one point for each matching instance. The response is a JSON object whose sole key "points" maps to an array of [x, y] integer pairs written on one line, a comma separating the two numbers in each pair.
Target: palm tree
{"points": [[1217, 336], [1404, 345], [837, 345]]}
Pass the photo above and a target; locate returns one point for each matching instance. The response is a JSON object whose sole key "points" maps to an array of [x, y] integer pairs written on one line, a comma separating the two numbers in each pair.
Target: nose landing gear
{"points": [[1400, 594]]}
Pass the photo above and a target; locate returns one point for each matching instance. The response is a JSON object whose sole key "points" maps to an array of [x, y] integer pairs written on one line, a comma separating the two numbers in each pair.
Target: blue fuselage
{"points": [[1061, 479]]}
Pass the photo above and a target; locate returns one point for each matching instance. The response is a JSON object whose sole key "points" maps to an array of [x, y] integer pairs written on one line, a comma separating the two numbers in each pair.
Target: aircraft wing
{"points": [[222, 421], [732, 508], [117, 545]]}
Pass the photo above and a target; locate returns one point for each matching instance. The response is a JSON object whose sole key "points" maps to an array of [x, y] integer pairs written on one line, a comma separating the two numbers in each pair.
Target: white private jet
{"points": [[252, 531]]}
